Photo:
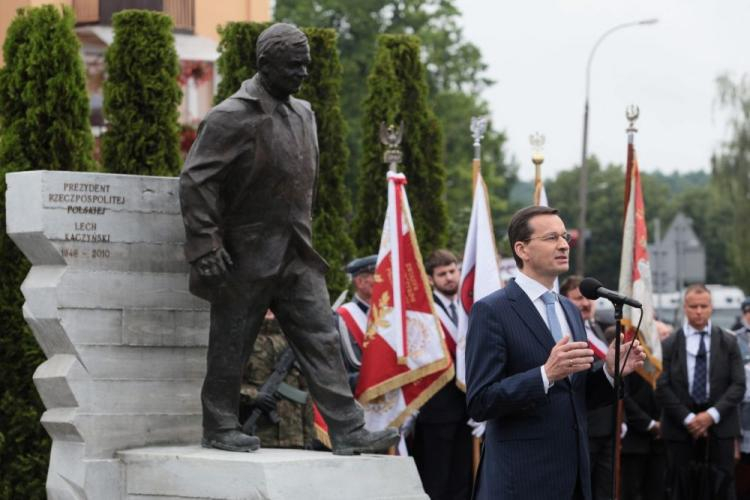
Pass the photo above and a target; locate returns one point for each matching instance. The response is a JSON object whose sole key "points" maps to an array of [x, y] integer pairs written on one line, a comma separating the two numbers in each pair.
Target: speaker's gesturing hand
{"points": [[634, 360], [568, 358]]}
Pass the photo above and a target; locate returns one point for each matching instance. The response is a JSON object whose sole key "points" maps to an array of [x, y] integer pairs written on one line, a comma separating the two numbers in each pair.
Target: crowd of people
{"points": [[540, 371], [665, 430]]}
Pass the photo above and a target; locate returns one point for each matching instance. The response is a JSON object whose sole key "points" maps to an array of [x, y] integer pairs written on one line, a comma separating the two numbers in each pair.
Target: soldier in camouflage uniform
{"points": [[295, 429]]}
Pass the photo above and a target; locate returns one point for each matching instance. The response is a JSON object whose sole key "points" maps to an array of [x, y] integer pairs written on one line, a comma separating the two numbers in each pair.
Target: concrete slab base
{"points": [[173, 472]]}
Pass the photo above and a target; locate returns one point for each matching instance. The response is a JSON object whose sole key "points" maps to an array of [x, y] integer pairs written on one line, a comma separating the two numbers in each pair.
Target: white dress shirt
{"points": [[534, 290], [692, 344], [446, 301]]}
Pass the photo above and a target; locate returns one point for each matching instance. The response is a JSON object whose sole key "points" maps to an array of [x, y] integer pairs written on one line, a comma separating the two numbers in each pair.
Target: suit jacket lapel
{"points": [[525, 309], [714, 359], [681, 351], [577, 329], [572, 316]]}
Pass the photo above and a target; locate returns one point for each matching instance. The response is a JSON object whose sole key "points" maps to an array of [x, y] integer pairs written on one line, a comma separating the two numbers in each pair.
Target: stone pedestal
{"points": [[107, 300], [194, 472]]}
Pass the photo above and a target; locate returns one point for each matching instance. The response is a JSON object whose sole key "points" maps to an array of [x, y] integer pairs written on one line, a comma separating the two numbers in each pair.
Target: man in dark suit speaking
{"points": [[528, 373]]}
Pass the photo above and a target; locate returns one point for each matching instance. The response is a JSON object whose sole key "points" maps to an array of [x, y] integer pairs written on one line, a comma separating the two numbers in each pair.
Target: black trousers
{"points": [[298, 297], [720, 454], [443, 454], [600, 458], [643, 476]]}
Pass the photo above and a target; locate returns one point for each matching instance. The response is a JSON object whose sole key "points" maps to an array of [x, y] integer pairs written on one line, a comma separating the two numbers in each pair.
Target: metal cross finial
{"points": [[631, 113], [391, 136]]}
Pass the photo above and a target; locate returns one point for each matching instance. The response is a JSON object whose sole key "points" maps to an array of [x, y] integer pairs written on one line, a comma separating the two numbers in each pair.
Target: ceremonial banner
{"points": [[321, 428], [540, 194], [597, 345], [480, 274], [404, 355], [635, 270]]}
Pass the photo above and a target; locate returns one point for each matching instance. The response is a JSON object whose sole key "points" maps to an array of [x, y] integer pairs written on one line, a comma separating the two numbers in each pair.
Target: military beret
{"points": [[362, 265]]}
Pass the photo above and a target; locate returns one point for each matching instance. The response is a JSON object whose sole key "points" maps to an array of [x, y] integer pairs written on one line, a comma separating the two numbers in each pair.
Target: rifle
{"points": [[275, 385]]}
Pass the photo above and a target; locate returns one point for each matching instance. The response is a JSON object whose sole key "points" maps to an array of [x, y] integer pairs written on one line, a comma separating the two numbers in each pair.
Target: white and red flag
{"points": [[405, 360], [597, 345], [480, 273], [635, 270]]}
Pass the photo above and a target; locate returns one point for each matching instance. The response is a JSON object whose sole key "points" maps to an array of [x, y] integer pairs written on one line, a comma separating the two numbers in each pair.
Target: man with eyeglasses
{"points": [[528, 373]]}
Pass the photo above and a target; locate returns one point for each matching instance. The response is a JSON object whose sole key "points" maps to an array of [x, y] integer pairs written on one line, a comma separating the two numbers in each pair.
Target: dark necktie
{"points": [[453, 314], [700, 373]]}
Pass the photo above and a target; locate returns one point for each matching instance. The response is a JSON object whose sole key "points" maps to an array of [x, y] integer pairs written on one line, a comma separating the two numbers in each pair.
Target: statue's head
{"points": [[283, 55]]}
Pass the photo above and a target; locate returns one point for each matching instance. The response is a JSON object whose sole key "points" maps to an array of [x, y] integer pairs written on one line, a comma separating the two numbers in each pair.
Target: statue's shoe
{"points": [[230, 440], [364, 441]]}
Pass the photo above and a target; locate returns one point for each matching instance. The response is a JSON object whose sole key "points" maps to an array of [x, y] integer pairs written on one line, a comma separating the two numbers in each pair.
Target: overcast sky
{"points": [[537, 52]]}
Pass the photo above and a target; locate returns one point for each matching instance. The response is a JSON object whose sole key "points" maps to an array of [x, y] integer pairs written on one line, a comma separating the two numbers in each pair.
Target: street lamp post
{"points": [[583, 184]]}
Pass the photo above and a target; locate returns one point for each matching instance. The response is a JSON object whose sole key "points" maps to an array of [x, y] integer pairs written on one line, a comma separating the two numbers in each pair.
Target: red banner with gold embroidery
{"points": [[404, 355], [635, 270]]}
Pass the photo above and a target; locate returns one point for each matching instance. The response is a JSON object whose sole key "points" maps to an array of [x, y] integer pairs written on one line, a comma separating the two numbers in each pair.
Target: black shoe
{"points": [[364, 441], [231, 440]]}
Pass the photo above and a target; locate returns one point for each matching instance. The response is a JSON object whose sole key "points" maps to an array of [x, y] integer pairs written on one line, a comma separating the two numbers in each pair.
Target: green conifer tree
{"points": [[332, 211], [397, 92], [44, 124], [236, 61], [141, 96], [322, 87]]}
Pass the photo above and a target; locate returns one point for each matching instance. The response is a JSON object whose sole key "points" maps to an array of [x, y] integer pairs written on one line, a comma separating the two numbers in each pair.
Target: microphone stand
{"points": [[618, 393]]}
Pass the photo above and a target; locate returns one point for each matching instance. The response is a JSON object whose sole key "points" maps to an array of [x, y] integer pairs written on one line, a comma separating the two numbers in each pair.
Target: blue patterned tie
{"points": [[549, 300], [700, 373]]}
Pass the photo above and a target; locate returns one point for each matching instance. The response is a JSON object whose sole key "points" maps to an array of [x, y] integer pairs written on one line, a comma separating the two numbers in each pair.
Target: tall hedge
{"points": [[397, 92], [322, 88], [236, 61], [141, 96], [44, 124]]}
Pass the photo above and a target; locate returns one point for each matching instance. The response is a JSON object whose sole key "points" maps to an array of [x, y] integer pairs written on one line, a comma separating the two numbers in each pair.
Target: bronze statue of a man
{"points": [[247, 191]]}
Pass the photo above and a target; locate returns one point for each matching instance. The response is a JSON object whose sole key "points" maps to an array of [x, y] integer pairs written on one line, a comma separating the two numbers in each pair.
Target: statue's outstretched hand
{"points": [[214, 264]]}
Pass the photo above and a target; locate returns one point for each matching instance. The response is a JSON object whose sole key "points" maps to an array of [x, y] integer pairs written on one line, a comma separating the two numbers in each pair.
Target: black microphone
{"points": [[591, 288]]}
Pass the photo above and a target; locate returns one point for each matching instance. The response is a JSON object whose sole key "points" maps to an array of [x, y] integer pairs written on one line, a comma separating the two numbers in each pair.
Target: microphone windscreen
{"points": [[589, 287]]}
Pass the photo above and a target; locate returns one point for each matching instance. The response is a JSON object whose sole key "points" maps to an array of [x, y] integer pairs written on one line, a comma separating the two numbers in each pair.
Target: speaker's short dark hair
{"points": [[519, 229]]}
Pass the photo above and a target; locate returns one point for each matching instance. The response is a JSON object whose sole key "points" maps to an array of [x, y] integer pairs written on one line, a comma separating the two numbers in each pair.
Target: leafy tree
{"points": [[332, 210], [664, 195], [605, 202], [731, 170], [397, 93], [455, 78], [141, 96], [44, 124]]}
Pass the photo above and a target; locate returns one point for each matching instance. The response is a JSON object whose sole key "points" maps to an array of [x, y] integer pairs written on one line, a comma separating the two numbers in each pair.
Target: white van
{"points": [[668, 306]]}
